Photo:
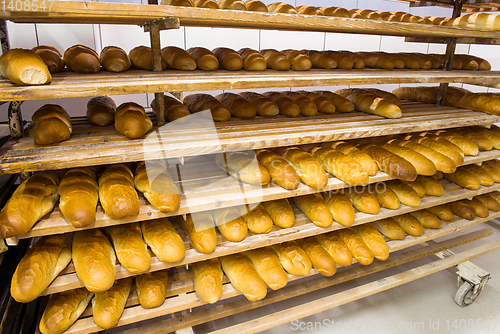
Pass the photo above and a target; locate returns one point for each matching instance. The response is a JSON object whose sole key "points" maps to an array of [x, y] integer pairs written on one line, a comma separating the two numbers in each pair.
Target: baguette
{"points": [[52, 124], [466, 145], [481, 209], [344, 61], [293, 258], [205, 59], [341, 104], [341, 166], [281, 7], [174, 109], [422, 165], [33, 199], [442, 211], [154, 181], [493, 137], [208, 277], [463, 210], [230, 224], [377, 60], [252, 60], [385, 95], [63, 309], [237, 105], [101, 110], [40, 266], [51, 57], [244, 167], [320, 258], [281, 172], [201, 230], [308, 10], [370, 103], [485, 179], [178, 59], [491, 203], [324, 104], [368, 164], [315, 208], [494, 163], [130, 248], [199, 102], [228, 59], [446, 143], [108, 306], [286, 105], [94, 260], [141, 57], [335, 11], [417, 187], [492, 170], [321, 59], [495, 195], [307, 106], [389, 228], [281, 212], [117, 194], [258, 219], [405, 193], [340, 207], [385, 197], [255, 6], [131, 120], [390, 163], [152, 288], [309, 169], [299, 61], [161, 236], [231, 4], [481, 21], [464, 179], [374, 241], [427, 218], [483, 143], [359, 61], [82, 59], [431, 185], [356, 245], [439, 147], [114, 59], [362, 200], [268, 266], [337, 248], [264, 105], [409, 224], [243, 276], [276, 60]]}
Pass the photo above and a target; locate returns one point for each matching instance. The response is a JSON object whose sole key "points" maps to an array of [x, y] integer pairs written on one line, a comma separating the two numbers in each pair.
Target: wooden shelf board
{"points": [[120, 13], [69, 84], [302, 228], [210, 198], [90, 146], [189, 300]]}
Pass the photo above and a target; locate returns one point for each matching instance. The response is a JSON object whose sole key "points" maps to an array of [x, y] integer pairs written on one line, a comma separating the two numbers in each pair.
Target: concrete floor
{"points": [[422, 306]]}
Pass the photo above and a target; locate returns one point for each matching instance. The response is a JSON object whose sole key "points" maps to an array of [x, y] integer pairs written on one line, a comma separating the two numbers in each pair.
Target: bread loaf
{"points": [[405, 193], [483, 143], [255, 6], [286, 105], [315, 208], [208, 277], [161, 236], [422, 165], [389, 228], [490, 203], [264, 105], [199, 102], [243, 276], [324, 104], [252, 60], [63, 309], [276, 60], [94, 260], [439, 147], [421, 94], [480, 21], [464, 179], [243, 166], [341, 166], [154, 181], [258, 219], [358, 248], [231, 4], [432, 186], [373, 240], [390, 163], [409, 224], [33, 199], [108, 306], [184, 3], [465, 144], [114, 59], [238, 106], [268, 266], [427, 218], [281, 212], [117, 194], [340, 207], [281, 172], [293, 258], [335, 11], [40, 266], [377, 60], [205, 59], [52, 124], [493, 137], [82, 59], [177, 59], [492, 171], [362, 200], [385, 196], [281, 7], [101, 110], [494, 163], [79, 195], [495, 195], [337, 248], [131, 120], [482, 175], [359, 61], [446, 143], [370, 103], [320, 258], [364, 14], [417, 187], [308, 10], [201, 230], [51, 57], [341, 104], [321, 59], [152, 288], [299, 61], [130, 248], [344, 61], [309, 169], [228, 59], [463, 209], [230, 224], [368, 164], [442, 211], [174, 109], [307, 106], [481, 209]]}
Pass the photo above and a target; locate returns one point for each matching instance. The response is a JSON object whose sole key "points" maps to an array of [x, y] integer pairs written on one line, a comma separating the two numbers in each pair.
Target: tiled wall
{"points": [[127, 37]]}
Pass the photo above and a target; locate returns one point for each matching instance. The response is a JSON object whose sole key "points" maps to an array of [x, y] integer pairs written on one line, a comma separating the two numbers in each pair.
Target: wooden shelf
{"points": [[69, 84], [90, 146], [203, 197], [120, 13], [302, 228], [468, 5], [182, 297]]}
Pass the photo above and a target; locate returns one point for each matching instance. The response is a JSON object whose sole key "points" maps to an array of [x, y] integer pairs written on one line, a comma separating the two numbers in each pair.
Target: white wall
{"points": [[127, 37]]}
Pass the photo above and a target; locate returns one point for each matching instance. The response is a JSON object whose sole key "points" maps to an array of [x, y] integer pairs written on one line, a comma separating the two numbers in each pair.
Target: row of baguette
{"points": [[250, 273], [34, 67], [401, 158]]}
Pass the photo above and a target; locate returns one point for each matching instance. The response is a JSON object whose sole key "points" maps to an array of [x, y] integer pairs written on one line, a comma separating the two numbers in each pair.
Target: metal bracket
{"points": [[170, 22], [16, 125]]}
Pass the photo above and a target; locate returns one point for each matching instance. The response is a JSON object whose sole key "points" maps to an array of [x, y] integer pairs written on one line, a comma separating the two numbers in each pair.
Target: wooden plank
{"points": [[461, 40], [68, 84], [302, 228]]}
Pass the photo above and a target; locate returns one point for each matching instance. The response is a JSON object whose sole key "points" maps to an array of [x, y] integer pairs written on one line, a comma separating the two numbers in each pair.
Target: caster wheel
{"points": [[465, 294]]}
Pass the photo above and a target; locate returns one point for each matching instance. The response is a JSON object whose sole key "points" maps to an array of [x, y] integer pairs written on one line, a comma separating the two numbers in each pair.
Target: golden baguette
{"points": [[320, 258], [244, 167], [363, 200], [409, 224], [309, 169], [268, 265], [281, 212], [385, 196], [491, 203], [431, 185], [368, 164], [152, 288], [427, 218], [293, 258], [108, 306], [374, 241], [315, 208], [405, 193], [389, 228], [464, 179], [341, 208], [485, 179], [281, 172], [422, 165], [391, 163], [341, 166], [230, 224], [463, 209], [481, 209], [356, 245], [201, 230], [443, 212], [208, 277], [130, 248], [163, 239], [258, 219], [337, 248], [417, 187]]}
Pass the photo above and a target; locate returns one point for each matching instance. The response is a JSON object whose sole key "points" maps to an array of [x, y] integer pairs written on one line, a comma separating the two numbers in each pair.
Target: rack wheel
{"points": [[466, 294]]}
